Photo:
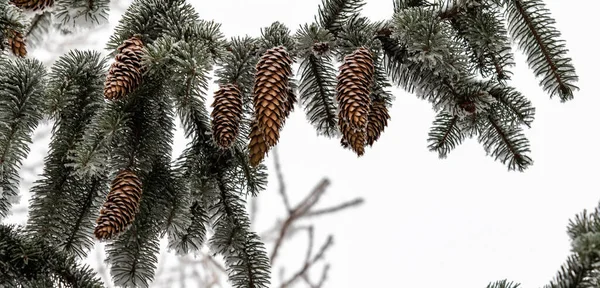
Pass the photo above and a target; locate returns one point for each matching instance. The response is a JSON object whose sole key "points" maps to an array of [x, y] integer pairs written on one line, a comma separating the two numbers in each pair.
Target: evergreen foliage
{"points": [[21, 109], [455, 54]]}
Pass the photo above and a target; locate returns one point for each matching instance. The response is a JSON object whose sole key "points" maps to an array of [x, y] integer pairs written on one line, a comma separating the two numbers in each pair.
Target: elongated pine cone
{"points": [[354, 88], [352, 138], [121, 205], [16, 42], [125, 74], [226, 115], [378, 120], [33, 5], [258, 146], [273, 71]]}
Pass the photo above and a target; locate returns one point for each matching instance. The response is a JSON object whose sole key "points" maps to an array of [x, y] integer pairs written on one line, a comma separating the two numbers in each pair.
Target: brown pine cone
{"points": [[226, 115], [354, 88], [352, 138], [258, 146], [378, 120], [16, 42], [125, 74], [273, 71], [120, 207], [33, 5]]}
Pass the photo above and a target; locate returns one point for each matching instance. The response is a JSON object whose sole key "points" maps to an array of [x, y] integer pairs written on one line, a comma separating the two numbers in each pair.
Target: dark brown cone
{"points": [[378, 120], [352, 138], [354, 88], [120, 207], [320, 48], [468, 106], [226, 115], [258, 146], [273, 71], [33, 5], [16, 42], [125, 74]]}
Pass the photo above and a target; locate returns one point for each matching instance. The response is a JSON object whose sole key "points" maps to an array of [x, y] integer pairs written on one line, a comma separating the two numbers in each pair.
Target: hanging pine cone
{"points": [[121, 205], [226, 115], [354, 88], [16, 42], [352, 138], [258, 146], [273, 71], [33, 5], [378, 120], [125, 74]]}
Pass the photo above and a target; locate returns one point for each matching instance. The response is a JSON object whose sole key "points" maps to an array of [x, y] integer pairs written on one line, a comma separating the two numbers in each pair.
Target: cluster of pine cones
{"points": [[361, 119]]}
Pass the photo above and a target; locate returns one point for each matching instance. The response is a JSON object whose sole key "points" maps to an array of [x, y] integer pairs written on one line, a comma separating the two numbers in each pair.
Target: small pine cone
{"points": [[352, 138], [120, 207], [378, 120], [125, 74], [258, 146], [226, 115], [354, 88], [468, 106], [33, 5], [273, 71], [320, 48], [16, 42]]}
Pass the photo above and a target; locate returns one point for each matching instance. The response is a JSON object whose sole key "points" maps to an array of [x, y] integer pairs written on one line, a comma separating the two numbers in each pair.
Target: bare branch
{"points": [[337, 208], [282, 189]]}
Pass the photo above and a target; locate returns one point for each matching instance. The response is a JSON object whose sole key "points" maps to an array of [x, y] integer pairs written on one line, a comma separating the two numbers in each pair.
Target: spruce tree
{"points": [[109, 173]]}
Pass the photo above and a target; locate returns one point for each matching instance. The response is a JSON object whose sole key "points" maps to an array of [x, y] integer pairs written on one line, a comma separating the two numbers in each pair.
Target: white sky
{"points": [[459, 222]]}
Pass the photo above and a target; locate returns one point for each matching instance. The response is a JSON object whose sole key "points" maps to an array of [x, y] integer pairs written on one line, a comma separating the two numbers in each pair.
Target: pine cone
{"points": [[121, 205], [354, 88], [378, 120], [273, 71], [320, 48], [258, 146], [16, 42], [33, 5], [352, 138], [226, 115], [125, 74], [468, 106]]}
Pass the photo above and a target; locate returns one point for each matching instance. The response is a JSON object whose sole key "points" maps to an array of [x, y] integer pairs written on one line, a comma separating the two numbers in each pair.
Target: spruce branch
{"points": [[333, 14], [532, 27], [503, 284], [317, 79], [80, 13], [74, 97], [22, 86], [445, 134], [506, 143], [28, 260]]}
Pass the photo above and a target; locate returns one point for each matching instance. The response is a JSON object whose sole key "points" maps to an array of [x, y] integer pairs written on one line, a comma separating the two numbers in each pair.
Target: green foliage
{"points": [[63, 203], [457, 57], [334, 13], [317, 80], [28, 261], [532, 27], [22, 86]]}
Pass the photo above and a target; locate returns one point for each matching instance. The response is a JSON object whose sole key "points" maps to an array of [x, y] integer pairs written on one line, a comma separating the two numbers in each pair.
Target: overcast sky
{"points": [[458, 222]]}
